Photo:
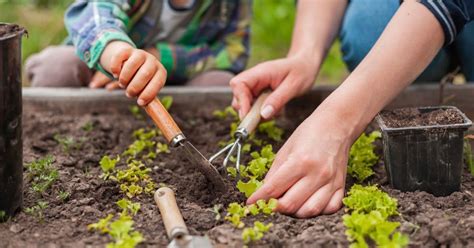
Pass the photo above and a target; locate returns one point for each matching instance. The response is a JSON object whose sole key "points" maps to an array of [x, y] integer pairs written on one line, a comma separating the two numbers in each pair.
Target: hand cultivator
{"points": [[246, 127]]}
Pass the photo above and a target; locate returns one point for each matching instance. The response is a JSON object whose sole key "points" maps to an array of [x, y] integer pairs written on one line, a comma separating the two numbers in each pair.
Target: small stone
{"points": [[222, 239], [36, 235], [73, 219], [15, 228]]}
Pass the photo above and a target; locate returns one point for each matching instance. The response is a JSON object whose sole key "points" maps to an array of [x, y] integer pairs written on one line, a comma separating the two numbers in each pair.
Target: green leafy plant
{"points": [[271, 130], [63, 196], [121, 229], [134, 179], [42, 174], [69, 143], [128, 207], [364, 199], [89, 126], [362, 156], [256, 232], [249, 187], [228, 112], [370, 209], [236, 212], [468, 156], [37, 210], [167, 101], [136, 112]]}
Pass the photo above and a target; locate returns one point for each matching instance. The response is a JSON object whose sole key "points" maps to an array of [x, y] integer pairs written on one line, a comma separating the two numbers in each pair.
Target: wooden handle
{"points": [[251, 120], [163, 119], [172, 218]]}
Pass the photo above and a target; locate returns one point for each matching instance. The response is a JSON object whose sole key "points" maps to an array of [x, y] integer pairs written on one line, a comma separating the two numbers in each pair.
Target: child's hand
{"points": [[99, 80], [138, 71]]}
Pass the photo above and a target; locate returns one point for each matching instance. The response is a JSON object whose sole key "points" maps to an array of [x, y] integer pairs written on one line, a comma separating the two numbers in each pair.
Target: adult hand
{"points": [[288, 77], [308, 174], [138, 71], [99, 80]]}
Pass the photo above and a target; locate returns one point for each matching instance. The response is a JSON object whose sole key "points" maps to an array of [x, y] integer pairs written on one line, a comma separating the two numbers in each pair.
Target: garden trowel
{"points": [[174, 224], [176, 138]]}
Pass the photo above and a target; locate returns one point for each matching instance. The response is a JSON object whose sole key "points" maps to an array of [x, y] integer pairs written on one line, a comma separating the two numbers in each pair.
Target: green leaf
{"points": [[107, 164], [271, 130], [167, 101], [362, 156], [249, 187], [468, 156], [102, 225], [369, 198]]}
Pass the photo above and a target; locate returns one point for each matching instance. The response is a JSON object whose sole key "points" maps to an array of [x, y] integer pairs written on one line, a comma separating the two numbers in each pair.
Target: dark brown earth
{"points": [[430, 221], [413, 117], [9, 29]]}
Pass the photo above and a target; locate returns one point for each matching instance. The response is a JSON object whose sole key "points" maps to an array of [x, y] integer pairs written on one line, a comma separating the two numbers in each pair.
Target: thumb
{"points": [[278, 98]]}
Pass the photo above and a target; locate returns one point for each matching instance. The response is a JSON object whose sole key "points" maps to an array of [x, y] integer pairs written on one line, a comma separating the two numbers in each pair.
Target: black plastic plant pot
{"points": [[426, 158], [11, 152]]}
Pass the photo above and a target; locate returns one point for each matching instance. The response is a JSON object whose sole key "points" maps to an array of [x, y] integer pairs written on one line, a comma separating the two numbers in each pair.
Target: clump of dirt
{"points": [[7, 30], [428, 220], [414, 117]]}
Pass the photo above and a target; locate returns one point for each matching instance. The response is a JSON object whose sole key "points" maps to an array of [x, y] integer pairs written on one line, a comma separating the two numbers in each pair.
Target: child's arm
{"points": [[230, 52], [99, 32]]}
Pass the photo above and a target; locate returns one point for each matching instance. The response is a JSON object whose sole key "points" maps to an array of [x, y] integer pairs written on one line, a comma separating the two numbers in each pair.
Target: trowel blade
{"points": [[204, 166], [191, 242]]}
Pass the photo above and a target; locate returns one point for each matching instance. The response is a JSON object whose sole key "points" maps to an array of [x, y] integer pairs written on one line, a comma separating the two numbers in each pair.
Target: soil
{"points": [[430, 221], [7, 30], [414, 117]]}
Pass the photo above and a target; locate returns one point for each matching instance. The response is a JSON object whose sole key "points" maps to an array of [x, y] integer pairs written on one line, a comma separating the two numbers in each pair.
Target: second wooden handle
{"points": [[163, 119], [172, 218], [251, 120]]}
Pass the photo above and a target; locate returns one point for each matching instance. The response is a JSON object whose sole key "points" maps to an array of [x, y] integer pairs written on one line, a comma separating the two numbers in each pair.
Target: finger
{"points": [[130, 68], [143, 76], [335, 203], [117, 61], [153, 87], [297, 195], [112, 86], [99, 80], [316, 203], [279, 183], [243, 96], [235, 104], [278, 98]]}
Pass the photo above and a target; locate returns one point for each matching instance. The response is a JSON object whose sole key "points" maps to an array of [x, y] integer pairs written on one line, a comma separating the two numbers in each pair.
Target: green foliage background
{"points": [[271, 30]]}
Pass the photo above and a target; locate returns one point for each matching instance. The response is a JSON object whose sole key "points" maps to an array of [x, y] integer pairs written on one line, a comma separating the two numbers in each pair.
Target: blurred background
{"points": [[271, 30]]}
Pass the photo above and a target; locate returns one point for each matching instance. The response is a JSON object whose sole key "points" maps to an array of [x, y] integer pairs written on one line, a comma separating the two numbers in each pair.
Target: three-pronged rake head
{"points": [[232, 149]]}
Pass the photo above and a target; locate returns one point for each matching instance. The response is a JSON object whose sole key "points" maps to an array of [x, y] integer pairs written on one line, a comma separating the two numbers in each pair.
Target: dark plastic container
{"points": [[427, 158], [11, 152]]}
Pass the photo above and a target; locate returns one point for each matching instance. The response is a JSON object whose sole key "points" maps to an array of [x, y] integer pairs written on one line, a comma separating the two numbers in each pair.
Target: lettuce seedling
{"points": [[167, 101], [362, 157], [271, 130], [369, 198], [128, 207], [108, 166], [249, 187], [227, 112], [370, 209], [136, 112], [162, 148], [256, 232], [89, 126], [374, 225], [102, 225], [3, 216]]}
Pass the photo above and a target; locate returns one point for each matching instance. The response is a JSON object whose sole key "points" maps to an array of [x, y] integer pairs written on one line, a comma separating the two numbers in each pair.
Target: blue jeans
{"points": [[365, 21]]}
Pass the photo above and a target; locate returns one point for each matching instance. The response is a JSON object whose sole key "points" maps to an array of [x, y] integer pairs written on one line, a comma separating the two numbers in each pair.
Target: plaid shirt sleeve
{"points": [[451, 14], [229, 52], [93, 24]]}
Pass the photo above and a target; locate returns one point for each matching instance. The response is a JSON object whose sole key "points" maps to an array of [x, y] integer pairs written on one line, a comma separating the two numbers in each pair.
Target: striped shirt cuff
{"points": [[445, 18]]}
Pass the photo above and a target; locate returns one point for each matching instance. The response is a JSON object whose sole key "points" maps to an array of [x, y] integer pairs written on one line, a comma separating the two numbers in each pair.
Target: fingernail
{"points": [[141, 102], [267, 111], [128, 95], [241, 114]]}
